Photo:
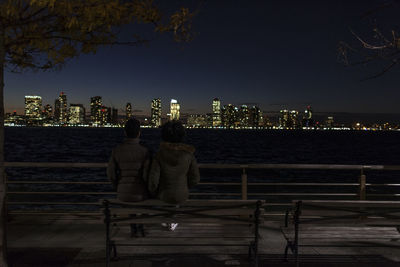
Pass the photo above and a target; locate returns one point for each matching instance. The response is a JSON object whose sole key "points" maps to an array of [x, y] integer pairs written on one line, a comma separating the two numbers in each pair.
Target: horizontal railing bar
{"points": [[215, 194], [207, 183], [383, 184], [303, 194], [94, 183], [56, 164], [383, 195], [54, 203], [298, 166], [104, 193], [219, 183], [311, 184], [212, 166], [61, 193], [56, 213], [53, 182]]}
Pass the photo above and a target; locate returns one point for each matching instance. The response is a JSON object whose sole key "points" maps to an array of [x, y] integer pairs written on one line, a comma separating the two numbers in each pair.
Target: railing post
{"points": [[244, 184], [362, 187]]}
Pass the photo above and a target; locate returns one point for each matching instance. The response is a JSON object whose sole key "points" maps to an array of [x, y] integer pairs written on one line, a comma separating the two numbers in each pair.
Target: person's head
{"points": [[173, 132], [132, 128]]}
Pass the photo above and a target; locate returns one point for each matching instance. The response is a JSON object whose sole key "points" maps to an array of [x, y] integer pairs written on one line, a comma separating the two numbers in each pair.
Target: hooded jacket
{"points": [[173, 171], [128, 170]]}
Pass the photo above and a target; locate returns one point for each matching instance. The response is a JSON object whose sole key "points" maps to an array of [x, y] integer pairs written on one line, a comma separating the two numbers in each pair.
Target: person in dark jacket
{"points": [[128, 165], [128, 169], [174, 167]]}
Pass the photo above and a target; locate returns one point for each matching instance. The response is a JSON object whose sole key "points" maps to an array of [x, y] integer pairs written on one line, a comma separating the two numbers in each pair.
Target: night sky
{"points": [[277, 54]]}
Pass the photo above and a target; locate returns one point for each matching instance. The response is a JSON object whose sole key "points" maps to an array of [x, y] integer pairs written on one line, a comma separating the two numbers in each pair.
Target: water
{"points": [[212, 146]]}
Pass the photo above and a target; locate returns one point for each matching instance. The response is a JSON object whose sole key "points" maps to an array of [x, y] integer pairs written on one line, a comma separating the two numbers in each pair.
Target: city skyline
{"points": [[165, 113], [276, 55], [224, 115]]}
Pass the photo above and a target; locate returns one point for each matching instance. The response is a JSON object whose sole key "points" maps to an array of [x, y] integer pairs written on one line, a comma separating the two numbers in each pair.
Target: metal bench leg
{"points": [[286, 251], [107, 222], [250, 255], [114, 250]]}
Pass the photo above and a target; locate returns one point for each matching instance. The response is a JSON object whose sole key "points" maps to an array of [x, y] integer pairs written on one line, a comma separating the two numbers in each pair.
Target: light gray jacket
{"points": [[173, 170], [128, 170]]}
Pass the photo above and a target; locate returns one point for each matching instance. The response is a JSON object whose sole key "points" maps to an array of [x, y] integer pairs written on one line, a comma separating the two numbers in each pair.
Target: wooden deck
{"points": [[74, 243]]}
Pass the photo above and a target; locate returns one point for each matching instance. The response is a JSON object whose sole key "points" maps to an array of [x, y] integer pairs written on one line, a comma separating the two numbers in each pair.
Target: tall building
{"points": [[96, 104], [308, 120], [76, 114], [57, 108], [216, 112], [33, 106], [109, 114], [47, 112], [175, 110], [244, 116], [255, 117], [288, 119], [114, 116], [128, 111], [156, 112], [104, 115], [229, 116], [62, 109]]}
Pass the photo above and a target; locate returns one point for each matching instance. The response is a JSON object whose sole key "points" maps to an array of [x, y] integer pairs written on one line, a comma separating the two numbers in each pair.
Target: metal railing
{"points": [[245, 184]]}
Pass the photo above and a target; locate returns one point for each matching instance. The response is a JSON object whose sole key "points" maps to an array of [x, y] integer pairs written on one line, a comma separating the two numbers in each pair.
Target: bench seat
{"points": [[206, 223], [341, 223]]}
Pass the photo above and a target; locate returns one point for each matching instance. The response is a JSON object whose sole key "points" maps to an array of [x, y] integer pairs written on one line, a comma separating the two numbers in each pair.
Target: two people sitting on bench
{"points": [[173, 169]]}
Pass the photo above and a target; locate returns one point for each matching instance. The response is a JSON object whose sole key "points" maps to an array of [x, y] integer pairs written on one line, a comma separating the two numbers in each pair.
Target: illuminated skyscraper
{"points": [[95, 109], [255, 117], [56, 109], [230, 118], [47, 112], [288, 119], [128, 111], [175, 110], [216, 115], [62, 111], [308, 120], [156, 112], [76, 114], [104, 115], [244, 116], [33, 106]]}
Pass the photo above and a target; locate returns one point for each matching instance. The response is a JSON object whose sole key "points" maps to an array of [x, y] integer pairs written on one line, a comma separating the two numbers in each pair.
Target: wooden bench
{"points": [[341, 223], [202, 223]]}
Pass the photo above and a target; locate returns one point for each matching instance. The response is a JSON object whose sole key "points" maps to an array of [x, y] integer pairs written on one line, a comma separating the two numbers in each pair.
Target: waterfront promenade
{"points": [[74, 244], [76, 241]]}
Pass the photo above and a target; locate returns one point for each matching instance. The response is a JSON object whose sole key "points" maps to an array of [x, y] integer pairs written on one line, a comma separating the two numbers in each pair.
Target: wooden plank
{"points": [[187, 203], [184, 210], [351, 203], [144, 241], [154, 220]]}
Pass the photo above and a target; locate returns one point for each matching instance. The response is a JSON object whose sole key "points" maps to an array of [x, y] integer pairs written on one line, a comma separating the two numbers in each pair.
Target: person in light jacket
{"points": [[129, 164], [174, 167]]}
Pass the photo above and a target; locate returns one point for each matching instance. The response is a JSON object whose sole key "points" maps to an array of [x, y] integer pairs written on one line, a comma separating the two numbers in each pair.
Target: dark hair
{"points": [[173, 132], [132, 128]]}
